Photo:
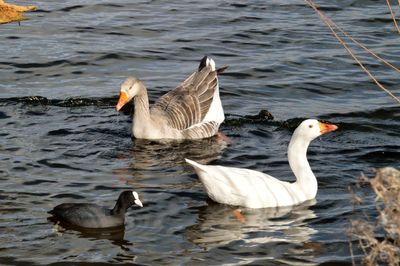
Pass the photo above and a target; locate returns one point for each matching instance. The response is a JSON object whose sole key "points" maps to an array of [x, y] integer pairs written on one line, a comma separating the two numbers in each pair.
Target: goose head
{"points": [[129, 89], [311, 128]]}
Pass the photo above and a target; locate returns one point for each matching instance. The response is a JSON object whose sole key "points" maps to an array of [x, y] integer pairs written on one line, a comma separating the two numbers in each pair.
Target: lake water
{"points": [[62, 140]]}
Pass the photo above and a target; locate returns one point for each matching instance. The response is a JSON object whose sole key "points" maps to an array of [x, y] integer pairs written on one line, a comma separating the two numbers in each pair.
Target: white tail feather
{"points": [[211, 63]]}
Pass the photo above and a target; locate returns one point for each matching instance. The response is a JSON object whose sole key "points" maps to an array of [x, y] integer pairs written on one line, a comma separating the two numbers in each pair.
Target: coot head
{"points": [[125, 200]]}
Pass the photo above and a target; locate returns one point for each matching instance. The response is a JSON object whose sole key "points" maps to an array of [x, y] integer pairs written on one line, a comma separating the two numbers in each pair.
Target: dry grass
{"points": [[380, 239], [12, 13]]}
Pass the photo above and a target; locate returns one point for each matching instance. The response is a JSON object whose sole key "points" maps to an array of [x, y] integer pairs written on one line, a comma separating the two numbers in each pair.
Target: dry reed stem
{"points": [[331, 27], [386, 249], [365, 48], [393, 16], [361, 45]]}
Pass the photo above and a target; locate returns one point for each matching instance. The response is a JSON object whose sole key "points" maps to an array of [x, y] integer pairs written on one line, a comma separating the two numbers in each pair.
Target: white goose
{"points": [[253, 189], [191, 111]]}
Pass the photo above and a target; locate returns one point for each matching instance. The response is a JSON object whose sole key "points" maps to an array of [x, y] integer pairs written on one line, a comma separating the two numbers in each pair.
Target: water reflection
{"points": [[115, 235], [166, 158], [218, 225], [147, 154]]}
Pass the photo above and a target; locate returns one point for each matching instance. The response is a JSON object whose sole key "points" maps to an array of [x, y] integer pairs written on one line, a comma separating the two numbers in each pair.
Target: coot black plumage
{"points": [[90, 215]]}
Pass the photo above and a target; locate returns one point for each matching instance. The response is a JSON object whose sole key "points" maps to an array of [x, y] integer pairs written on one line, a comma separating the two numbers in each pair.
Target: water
{"points": [[62, 140]]}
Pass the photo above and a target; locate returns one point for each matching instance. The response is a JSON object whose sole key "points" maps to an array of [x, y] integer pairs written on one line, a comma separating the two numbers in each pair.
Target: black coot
{"points": [[90, 215]]}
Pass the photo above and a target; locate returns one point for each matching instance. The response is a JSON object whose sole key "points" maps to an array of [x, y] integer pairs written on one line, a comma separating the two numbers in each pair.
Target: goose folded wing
{"points": [[188, 104]]}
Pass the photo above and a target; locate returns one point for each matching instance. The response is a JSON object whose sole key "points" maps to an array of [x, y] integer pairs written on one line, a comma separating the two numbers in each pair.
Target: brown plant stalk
{"points": [[363, 46], [332, 27], [393, 16], [366, 49]]}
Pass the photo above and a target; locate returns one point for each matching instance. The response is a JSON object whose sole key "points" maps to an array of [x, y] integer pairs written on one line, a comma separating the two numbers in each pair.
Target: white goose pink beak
{"points": [[325, 127], [123, 99]]}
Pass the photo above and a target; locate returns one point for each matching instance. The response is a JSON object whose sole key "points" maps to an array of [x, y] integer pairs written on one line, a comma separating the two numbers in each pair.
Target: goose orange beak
{"points": [[123, 99], [325, 127]]}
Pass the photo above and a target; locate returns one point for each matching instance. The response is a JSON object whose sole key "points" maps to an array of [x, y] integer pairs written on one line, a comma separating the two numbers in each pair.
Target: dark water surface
{"points": [[62, 140]]}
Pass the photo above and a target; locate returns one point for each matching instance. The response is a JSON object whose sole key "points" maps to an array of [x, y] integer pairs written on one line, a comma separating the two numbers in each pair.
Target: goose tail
{"points": [[195, 165], [207, 61]]}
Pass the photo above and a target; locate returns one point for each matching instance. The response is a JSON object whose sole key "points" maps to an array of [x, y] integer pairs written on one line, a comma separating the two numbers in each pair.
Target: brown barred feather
{"points": [[189, 103]]}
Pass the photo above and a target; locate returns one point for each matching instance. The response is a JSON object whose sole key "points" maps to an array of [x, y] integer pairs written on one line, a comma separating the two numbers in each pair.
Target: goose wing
{"points": [[188, 104]]}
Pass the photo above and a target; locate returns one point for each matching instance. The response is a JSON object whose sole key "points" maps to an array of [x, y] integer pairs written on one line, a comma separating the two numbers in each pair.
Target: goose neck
{"points": [[141, 101], [297, 156]]}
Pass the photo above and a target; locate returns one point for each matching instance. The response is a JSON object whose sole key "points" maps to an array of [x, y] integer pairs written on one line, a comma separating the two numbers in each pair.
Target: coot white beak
{"points": [[137, 200]]}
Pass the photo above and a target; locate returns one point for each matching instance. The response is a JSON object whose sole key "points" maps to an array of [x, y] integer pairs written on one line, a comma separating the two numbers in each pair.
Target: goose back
{"points": [[189, 103]]}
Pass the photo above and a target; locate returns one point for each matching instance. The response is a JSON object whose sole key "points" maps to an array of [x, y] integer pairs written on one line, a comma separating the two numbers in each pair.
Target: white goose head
{"points": [[311, 128], [129, 89]]}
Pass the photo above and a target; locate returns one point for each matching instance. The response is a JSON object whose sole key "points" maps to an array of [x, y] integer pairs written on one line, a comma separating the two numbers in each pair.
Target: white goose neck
{"points": [[141, 118], [297, 156], [141, 100]]}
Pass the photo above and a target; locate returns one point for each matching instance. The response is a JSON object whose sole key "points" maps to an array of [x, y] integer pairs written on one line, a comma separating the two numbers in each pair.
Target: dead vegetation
{"points": [[379, 238], [13, 13]]}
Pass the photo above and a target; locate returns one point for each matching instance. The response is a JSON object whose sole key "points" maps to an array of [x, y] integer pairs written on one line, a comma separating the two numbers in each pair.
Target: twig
{"points": [[331, 26], [353, 262], [392, 14], [364, 47]]}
